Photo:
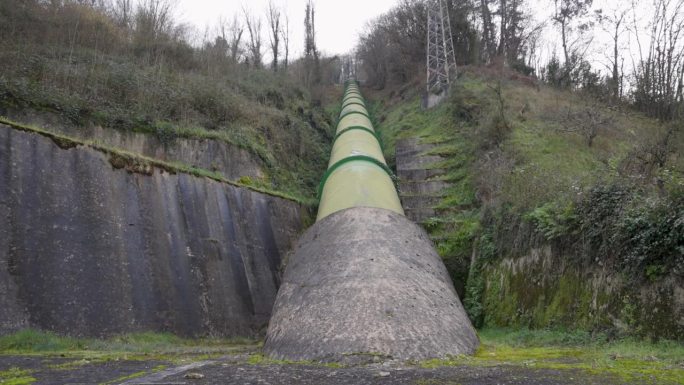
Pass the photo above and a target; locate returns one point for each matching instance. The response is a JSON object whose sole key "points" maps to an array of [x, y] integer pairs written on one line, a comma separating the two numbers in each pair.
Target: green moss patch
{"points": [[626, 360]]}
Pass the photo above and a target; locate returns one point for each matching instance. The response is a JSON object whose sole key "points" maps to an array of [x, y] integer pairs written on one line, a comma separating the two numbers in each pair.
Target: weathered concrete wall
{"points": [[547, 288], [229, 160], [367, 281], [86, 249]]}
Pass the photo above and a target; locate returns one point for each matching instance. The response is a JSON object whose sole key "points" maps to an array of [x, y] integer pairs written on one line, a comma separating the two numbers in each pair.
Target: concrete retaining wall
{"points": [[87, 249]]}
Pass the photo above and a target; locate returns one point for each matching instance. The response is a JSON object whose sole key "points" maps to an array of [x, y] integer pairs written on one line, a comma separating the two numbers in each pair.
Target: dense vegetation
{"points": [[522, 178], [136, 71], [547, 153], [640, 45]]}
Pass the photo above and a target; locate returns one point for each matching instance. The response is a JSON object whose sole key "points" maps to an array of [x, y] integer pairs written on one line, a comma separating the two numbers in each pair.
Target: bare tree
{"points": [[588, 122], [285, 35], [273, 17], [311, 61], [488, 31], [123, 12], [154, 18], [236, 31], [659, 75], [614, 24], [566, 14], [513, 33], [254, 44]]}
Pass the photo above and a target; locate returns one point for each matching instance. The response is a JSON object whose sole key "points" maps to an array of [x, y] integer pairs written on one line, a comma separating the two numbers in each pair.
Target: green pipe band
{"points": [[352, 101], [352, 104], [352, 95], [351, 113], [352, 158], [347, 129]]}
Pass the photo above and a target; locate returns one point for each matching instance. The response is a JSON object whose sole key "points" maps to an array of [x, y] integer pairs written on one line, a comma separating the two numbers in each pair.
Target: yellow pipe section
{"points": [[351, 120], [357, 174], [353, 107]]}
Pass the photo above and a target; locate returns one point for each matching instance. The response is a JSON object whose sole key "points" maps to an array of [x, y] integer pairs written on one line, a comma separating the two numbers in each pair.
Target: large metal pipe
{"points": [[365, 280], [357, 174]]}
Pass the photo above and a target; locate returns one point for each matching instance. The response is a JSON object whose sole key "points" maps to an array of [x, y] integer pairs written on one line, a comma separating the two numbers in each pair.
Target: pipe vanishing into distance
{"points": [[357, 174], [364, 280]]}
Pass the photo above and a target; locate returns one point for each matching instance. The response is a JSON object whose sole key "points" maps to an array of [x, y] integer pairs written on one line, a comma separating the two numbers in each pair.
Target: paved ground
{"points": [[309, 375], [74, 371], [235, 369]]}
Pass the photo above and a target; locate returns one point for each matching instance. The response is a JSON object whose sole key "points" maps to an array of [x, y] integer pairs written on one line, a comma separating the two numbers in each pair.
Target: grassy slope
{"points": [[267, 114], [531, 176]]}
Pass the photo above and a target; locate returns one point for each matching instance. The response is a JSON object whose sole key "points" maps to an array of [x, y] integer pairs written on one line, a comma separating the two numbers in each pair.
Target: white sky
{"points": [[338, 22]]}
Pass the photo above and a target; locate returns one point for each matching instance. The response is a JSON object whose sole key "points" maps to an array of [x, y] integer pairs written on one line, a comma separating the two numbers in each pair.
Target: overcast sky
{"points": [[338, 22]]}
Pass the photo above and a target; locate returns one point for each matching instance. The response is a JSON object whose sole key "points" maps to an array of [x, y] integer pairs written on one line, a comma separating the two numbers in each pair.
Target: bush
{"points": [[653, 238], [553, 219], [465, 106]]}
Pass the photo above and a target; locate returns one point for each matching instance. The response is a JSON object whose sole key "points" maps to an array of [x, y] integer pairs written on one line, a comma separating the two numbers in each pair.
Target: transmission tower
{"points": [[441, 58]]}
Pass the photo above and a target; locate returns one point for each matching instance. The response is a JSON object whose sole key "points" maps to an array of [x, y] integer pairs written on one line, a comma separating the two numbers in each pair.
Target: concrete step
{"points": [[417, 162], [411, 146], [420, 215], [420, 201], [419, 174], [423, 188]]}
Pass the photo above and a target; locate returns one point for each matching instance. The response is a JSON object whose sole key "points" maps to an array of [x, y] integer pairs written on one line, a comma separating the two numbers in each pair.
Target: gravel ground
{"points": [[311, 375], [50, 370], [235, 370]]}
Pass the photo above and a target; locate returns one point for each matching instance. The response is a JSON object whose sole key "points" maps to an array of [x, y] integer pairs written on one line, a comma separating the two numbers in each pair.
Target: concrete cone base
{"points": [[367, 281]]}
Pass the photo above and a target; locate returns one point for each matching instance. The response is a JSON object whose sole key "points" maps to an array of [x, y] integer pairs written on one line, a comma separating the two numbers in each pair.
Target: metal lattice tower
{"points": [[441, 58]]}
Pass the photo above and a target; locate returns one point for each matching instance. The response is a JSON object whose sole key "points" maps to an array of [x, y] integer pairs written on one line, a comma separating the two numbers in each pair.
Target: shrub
{"points": [[553, 219]]}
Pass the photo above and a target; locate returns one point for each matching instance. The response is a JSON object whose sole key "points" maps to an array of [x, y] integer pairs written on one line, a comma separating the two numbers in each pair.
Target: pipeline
{"points": [[364, 280], [357, 174]]}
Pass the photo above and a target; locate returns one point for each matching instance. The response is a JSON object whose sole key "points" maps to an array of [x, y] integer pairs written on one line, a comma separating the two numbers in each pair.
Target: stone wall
{"points": [[546, 288]]}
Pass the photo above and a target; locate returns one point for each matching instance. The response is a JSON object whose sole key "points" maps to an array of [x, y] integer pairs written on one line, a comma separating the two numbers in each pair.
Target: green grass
{"points": [[16, 376], [132, 346], [135, 375], [628, 359]]}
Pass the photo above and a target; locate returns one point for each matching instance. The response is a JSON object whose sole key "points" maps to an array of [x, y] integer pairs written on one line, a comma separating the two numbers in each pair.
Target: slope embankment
{"points": [[547, 227], [92, 244]]}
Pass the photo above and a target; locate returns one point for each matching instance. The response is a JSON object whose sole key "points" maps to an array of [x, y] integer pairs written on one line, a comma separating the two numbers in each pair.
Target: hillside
{"points": [[561, 211], [79, 80]]}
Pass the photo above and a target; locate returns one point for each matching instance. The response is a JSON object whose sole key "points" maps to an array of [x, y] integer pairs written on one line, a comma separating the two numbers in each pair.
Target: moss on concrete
{"points": [[137, 163], [16, 376]]}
